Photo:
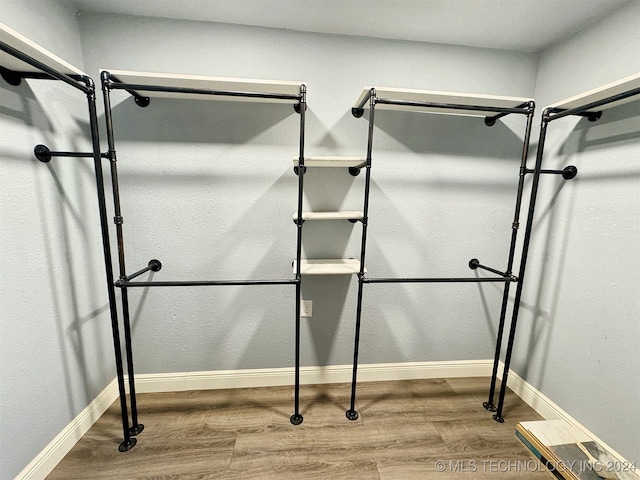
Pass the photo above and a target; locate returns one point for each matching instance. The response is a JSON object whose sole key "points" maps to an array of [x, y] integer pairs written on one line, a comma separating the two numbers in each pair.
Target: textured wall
{"points": [[579, 336]]}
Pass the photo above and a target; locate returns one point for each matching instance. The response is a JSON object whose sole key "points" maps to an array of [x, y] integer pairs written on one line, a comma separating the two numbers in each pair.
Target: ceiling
{"points": [[521, 25]]}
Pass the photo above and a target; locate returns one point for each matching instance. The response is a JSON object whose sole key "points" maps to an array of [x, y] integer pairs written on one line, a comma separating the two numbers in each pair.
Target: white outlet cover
{"points": [[307, 308]]}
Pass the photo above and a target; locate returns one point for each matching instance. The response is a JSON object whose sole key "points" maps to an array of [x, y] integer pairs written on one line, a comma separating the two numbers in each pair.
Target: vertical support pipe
{"points": [[128, 442], [296, 418], [352, 414], [489, 405], [523, 263], [136, 427]]}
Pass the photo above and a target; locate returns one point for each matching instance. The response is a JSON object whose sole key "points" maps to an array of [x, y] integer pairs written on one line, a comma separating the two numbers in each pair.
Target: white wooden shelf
{"points": [[332, 162], [605, 91], [32, 49], [451, 98], [218, 84], [338, 266], [340, 215]]}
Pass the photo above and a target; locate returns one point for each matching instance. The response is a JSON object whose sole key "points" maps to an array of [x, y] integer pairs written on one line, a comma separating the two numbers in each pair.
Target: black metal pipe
{"points": [[523, 263], [358, 110], [45, 155], [452, 106], [69, 80], [515, 225], [490, 121], [154, 265], [201, 91], [204, 283], [14, 77], [474, 264], [128, 442], [296, 418], [567, 172], [439, 280], [136, 427], [352, 414], [556, 113]]}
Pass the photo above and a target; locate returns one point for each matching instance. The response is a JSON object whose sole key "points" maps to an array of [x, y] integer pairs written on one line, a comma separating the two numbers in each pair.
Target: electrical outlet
{"points": [[307, 308]]}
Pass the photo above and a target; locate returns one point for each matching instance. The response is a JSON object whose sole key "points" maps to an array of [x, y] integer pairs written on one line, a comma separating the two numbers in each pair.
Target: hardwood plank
{"points": [[403, 429]]}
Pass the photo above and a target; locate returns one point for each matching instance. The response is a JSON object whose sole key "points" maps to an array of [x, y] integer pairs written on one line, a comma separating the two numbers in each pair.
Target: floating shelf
{"points": [[440, 98], [342, 215], [332, 162], [614, 88], [338, 266], [216, 87], [35, 51]]}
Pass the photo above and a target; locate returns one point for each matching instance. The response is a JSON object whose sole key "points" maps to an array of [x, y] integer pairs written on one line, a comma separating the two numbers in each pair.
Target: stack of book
{"points": [[567, 453]]}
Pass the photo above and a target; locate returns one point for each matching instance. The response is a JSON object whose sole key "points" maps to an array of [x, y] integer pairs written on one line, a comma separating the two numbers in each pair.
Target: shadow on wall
{"points": [[64, 231], [205, 121], [618, 124], [21, 103], [450, 134]]}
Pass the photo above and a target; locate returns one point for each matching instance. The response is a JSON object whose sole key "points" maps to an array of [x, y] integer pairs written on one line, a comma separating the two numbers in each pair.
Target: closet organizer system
{"points": [[21, 58], [143, 86], [589, 104], [490, 108]]}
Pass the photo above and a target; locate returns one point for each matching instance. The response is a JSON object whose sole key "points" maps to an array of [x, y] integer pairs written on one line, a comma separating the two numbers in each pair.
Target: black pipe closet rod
{"points": [[202, 283], [553, 113], [74, 82], [199, 91], [454, 106], [438, 280]]}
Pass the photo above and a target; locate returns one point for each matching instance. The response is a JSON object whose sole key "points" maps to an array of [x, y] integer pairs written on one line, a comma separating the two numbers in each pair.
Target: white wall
{"points": [[579, 333], [55, 348]]}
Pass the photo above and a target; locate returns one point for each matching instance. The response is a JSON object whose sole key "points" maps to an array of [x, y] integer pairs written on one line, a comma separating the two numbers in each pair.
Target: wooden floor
{"points": [[404, 429]]}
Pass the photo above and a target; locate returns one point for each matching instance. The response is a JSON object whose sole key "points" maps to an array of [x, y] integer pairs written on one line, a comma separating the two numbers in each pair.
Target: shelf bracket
{"points": [[567, 172], [44, 154], [474, 264], [140, 100], [10, 76], [153, 265]]}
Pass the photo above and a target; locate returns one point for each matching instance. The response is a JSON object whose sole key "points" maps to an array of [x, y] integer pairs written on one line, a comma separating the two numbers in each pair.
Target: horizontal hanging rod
{"points": [[437, 280], [13, 77], [567, 173], [198, 91], [454, 106], [43, 154], [474, 263], [202, 283], [555, 113]]}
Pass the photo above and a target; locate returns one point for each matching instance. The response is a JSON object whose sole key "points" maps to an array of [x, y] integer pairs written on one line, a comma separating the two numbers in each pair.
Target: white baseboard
{"points": [[271, 377], [55, 451], [46, 460]]}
